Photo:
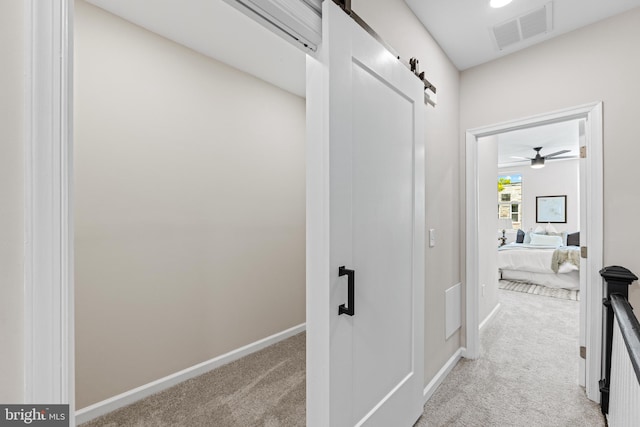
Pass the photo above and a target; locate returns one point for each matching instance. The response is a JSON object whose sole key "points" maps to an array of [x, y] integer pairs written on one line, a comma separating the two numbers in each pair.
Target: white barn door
{"points": [[365, 231]]}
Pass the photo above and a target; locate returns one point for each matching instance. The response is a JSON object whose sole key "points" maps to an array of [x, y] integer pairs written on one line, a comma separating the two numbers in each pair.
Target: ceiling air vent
{"points": [[507, 34], [523, 27]]}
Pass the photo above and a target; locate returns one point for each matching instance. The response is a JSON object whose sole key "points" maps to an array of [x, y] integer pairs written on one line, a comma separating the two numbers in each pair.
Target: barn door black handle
{"points": [[351, 279]]}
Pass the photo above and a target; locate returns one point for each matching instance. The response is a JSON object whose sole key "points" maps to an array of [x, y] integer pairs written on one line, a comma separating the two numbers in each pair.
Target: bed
{"points": [[554, 265]]}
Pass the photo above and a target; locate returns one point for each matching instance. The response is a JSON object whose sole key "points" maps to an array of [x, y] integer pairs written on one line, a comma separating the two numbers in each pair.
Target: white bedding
{"points": [[536, 259], [532, 263]]}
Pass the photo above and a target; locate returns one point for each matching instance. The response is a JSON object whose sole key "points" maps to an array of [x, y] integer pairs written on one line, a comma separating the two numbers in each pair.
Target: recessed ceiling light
{"points": [[498, 3]]}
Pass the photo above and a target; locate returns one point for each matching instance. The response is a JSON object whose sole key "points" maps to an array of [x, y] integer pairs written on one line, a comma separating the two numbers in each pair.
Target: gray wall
{"points": [[12, 200], [596, 63], [398, 26], [190, 198]]}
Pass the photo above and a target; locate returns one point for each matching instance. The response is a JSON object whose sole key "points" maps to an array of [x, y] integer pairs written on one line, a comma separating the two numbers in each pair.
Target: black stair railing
{"points": [[617, 281]]}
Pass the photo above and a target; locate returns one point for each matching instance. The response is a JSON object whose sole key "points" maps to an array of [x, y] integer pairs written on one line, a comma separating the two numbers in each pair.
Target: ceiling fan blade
{"points": [[522, 158], [518, 161], [557, 153], [563, 157]]}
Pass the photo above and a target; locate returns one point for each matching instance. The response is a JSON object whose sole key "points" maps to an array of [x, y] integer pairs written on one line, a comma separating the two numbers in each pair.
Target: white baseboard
{"points": [[442, 374], [484, 323], [94, 411], [489, 317]]}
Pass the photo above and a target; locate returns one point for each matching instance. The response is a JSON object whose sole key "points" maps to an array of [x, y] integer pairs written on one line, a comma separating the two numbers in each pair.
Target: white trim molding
{"points": [[489, 317], [594, 176], [592, 113], [48, 274], [442, 374], [101, 408]]}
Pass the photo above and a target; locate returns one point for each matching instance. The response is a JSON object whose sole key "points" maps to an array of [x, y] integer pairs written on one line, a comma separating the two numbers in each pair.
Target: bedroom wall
{"points": [[488, 224], [595, 63], [399, 27], [560, 177], [190, 198], [11, 194]]}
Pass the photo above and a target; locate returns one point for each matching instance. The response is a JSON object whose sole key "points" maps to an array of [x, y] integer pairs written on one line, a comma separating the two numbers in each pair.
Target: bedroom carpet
{"points": [[531, 288], [526, 374]]}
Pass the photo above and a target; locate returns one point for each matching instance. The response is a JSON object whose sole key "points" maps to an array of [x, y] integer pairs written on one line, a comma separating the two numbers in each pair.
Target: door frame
{"points": [[592, 113], [48, 200]]}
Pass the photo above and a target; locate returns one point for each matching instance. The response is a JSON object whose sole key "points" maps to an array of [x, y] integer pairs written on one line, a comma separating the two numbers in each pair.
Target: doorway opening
{"points": [[535, 207], [189, 205], [61, 245], [589, 119]]}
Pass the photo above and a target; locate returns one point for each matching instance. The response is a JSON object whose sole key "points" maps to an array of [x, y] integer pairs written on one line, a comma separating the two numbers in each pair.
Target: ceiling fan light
{"points": [[537, 163], [498, 3]]}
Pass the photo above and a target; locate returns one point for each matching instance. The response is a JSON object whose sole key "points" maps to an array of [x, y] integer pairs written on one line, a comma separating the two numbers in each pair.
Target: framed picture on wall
{"points": [[551, 209]]}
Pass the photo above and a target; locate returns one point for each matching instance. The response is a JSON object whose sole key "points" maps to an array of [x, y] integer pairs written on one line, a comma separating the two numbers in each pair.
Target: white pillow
{"points": [[544, 240], [539, 230], [562, 235], [550, 229], [527, 237]]}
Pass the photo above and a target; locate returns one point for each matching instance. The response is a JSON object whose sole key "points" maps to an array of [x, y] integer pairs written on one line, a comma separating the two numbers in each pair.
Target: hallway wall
{"points": [[12, 200], [190, 207], [599, 62]]}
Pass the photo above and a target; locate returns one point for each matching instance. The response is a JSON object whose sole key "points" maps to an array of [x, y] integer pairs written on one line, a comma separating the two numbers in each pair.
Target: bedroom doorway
{"points": [[589, 122], [538, 256], [539, 195]]}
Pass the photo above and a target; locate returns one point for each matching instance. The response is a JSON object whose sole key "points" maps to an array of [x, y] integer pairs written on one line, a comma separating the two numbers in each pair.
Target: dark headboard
{"points": [[573, 239]]}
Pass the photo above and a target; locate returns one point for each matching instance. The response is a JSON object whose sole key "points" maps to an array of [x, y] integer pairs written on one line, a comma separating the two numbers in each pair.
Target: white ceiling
{"points": [[219, 31], [462, 27], [552, 138]]}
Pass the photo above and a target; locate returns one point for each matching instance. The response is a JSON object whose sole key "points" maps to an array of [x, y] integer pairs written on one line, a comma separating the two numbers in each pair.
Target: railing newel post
{"points": [[617, 281]]}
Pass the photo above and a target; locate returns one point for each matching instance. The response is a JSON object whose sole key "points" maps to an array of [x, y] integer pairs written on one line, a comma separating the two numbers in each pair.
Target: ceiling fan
{"points": [[538, 161]]}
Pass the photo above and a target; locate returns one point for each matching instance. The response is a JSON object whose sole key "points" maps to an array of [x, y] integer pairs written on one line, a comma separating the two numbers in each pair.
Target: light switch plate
{"points": [[432, 237]]}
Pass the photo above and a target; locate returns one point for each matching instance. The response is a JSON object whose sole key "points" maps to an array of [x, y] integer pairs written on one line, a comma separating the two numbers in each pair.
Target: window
{"points": [[510, 198]]}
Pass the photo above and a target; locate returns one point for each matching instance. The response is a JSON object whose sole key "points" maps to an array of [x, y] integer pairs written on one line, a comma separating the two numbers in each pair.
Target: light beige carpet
{"points": [[526, 374], [265, 389]]}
